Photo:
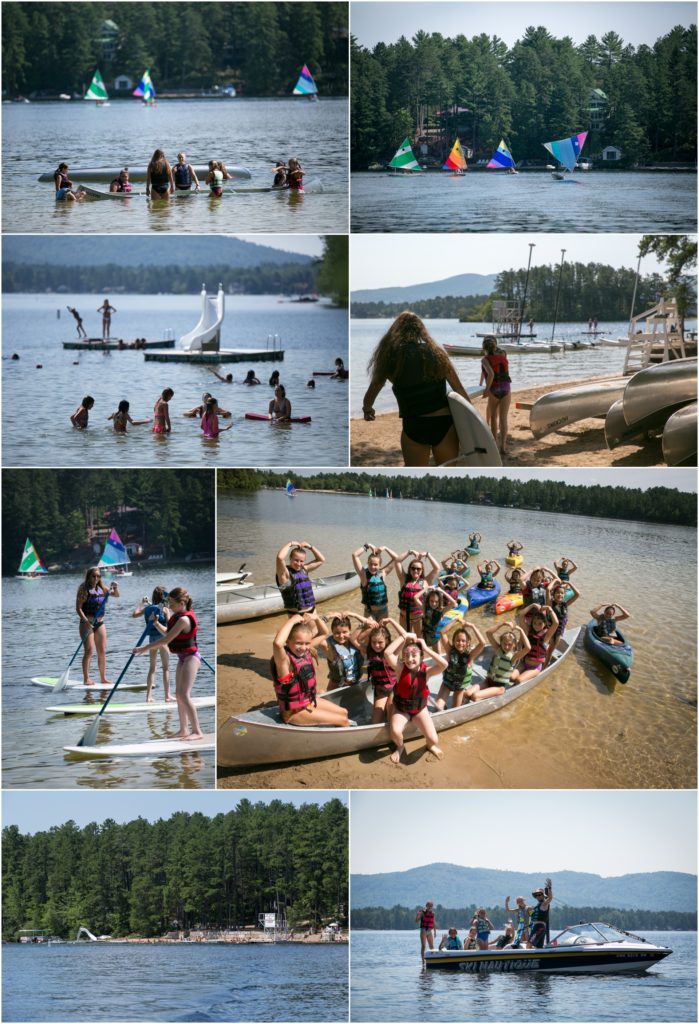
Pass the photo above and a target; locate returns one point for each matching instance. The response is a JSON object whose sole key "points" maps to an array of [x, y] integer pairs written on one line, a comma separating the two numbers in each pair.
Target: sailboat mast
{"points": [[558, 294], [532, 245]]}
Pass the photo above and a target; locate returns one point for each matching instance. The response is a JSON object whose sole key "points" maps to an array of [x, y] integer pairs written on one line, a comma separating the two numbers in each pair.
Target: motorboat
{"points": [[579, 949]]}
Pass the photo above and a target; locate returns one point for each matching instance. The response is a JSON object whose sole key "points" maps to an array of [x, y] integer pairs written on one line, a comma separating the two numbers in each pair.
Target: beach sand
{"points": [[377, 443]]}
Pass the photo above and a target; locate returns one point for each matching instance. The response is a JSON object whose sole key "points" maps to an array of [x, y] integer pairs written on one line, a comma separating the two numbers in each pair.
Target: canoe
{"points": [[463, 350], [680, 437], [617, 431], [152, 748], [259, 737], [508, 603], [617, 658], [48, 682], [530, 348], [478, 595], [125, 709], [102, 175], [514, 560], [569, 405], [664, 386], [257, 602], [473, 551]]}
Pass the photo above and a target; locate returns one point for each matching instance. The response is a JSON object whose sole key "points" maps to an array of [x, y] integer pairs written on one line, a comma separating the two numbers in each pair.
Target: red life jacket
{"points": [[539, 649], [407, 595], [411, 693], [427, 919], [500, 366], [184, 643], [298, 689], [379, 673]]}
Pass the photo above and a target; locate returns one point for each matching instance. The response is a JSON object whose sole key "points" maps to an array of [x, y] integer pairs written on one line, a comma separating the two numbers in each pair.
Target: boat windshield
{"points": [[582, 934]]}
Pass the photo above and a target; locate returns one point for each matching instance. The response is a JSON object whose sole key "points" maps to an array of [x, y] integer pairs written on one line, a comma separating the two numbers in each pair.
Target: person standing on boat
{"points": [[421, 373], [498, 386], [428, 926], [159, 178], [184, 174], [539, 915], [293, 580], [89, 604], [106, 310], [521, 912], [82, 333]]}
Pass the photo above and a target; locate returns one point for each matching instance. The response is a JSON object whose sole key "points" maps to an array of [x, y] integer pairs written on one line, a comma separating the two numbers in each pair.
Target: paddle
{"points": [[89, 737], [63, 678], [205, 662]]}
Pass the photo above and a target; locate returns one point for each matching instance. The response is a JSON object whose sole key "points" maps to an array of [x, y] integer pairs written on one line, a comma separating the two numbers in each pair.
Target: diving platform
{"points": [[221, 355], [116, 344]]}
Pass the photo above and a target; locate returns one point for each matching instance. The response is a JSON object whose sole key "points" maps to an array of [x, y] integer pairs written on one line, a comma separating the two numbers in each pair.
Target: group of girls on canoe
{"points": [[421, 374], [171, 627]]}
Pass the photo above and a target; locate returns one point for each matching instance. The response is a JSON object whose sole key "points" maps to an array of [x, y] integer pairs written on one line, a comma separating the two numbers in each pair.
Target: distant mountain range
{"points": [[461, 284], [456, 886], [152, 251]]}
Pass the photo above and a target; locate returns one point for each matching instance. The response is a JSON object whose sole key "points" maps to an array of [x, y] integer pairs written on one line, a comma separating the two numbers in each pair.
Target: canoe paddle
{"points": [[90, 736], [205, 662], [63, 678]]}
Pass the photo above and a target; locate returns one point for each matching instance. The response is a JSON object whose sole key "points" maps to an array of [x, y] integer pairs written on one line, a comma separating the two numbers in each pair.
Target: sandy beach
{"points": [[580, 444]]}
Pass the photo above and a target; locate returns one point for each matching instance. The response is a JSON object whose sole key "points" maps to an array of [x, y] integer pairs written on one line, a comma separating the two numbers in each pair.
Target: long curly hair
{"points": [[389, 355]]}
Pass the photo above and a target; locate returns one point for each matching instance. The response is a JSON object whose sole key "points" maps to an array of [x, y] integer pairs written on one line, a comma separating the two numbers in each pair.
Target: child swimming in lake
{"points": [[411, 692], [461, 647], [294, 674], [209, 420], [154, 611], [121, 417], [80, 417]]}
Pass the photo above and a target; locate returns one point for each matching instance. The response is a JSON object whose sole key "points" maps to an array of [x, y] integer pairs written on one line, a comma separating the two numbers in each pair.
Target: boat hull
{"points": [[618, 658], [680, 437], [241, 604], [102, 175], [508, 603], [582, 960], [665, 386], [480, 595], [514, 560], [569, 405]]}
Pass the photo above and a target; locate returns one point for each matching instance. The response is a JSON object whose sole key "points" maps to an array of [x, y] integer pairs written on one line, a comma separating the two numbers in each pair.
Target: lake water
{"points": [[624, 201], [598, 733], [252, 133], [406, 992], [40, 635], [312, 337], [192, 982]]}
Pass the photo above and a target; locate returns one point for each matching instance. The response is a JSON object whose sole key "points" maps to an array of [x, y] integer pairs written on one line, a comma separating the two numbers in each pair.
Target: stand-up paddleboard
{"points": [[266, 416], [48, 682], [152, 748], [124, 709], [477, 445]]}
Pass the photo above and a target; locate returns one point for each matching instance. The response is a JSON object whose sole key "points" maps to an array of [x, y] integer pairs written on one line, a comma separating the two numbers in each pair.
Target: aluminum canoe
{"points": [[99, 175], [664, 386], [239, 604], [569, 405], [260, 737], [680, 437]]}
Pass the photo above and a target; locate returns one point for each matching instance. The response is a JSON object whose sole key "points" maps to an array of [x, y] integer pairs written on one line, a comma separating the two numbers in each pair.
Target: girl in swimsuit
{"points": [[152, 610], [89, 604], [63, 185], [214, 179], [81, 415], [280, 406], [496, 373], [411, 693], [161, 413], [159, 176], [209, 421], [106, 310], [121, 417], [294, 176]]}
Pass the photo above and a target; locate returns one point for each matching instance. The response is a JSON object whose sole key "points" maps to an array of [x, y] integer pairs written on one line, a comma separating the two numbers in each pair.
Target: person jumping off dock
{"points": [[82, 333]]}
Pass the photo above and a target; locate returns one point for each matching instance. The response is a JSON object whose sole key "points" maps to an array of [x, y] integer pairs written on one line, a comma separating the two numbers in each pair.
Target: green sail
{"points": [[404, 160], [97, 89]]}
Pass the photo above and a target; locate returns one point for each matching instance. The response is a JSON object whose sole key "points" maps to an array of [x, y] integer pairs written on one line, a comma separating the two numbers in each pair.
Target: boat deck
{"points": [[223, 355]]}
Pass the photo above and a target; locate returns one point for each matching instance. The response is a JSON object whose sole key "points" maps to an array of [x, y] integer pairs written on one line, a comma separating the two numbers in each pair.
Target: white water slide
{"points": [[206, 336]]}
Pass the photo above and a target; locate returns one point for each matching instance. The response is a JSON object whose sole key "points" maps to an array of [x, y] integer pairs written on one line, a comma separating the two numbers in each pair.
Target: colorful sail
{"points": [[290, 489], [567, 151], [456, 161], [97, 90], [114, 553], [501, 158], [31, 564], [404, 160], [145, 88], [305, 85]]}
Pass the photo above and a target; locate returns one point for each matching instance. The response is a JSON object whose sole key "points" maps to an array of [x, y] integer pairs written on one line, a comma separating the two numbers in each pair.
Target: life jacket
{"points": [[185, 643], [459, 669], [411, 694], [407, 595], [537, 594], [563, 575], [430, 622], [297, 690], [374, 594], [453, 592], [347, 665], [427, 919], [500, 670], [182, 175], [482, 926], [516, 586], [92, 604], [606, 627], [561, 611], [298, 594], [500, 367], [486, 579], [379, 672], [539, 916], [453, 942], [122, 186], [539, 649]]}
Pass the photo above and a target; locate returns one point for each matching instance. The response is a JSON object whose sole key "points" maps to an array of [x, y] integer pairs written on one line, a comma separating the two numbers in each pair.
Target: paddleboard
{"points": [[152, 748], [268, 418], [477, 445], [124, 709], [48, 682]]}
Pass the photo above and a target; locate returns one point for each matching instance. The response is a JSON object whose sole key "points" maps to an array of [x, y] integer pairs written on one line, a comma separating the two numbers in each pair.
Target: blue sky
{"points": [[635, 22], [606, 832]]}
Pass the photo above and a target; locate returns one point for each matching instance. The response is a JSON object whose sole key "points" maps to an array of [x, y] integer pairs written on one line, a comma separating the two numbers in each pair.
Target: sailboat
{"points": [[404, 160], [305, 85], [567, 152], [502, 159], [97, 91], [115, 557], [30, 567], [456, 161], [145, 89], [290, 489]]}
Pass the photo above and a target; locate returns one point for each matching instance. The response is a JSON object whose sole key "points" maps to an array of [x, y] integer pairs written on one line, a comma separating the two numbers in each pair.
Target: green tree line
{"points": [[52, 48], [655, 505], [531, 93], [403, 918], [53, 508], [189, 871], [442, 307]]}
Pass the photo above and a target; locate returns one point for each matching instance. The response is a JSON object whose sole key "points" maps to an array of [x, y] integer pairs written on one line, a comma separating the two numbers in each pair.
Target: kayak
{"points": [[617, 657], [266, 416], [48, 682], [152, 748], [124, 709], [508, 603], [514, 560], [473, 550], [448, 618], [478, 595]]}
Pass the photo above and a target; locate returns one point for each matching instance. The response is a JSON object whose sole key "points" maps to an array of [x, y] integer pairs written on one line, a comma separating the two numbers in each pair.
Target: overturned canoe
{"points": [[101, 175], [260, 737], [680, 437], [239, 603], [569, 405], [665, 386]]}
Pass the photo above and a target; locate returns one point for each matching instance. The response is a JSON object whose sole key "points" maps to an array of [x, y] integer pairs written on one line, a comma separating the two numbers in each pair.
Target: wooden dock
{"points": [[223, 355]]}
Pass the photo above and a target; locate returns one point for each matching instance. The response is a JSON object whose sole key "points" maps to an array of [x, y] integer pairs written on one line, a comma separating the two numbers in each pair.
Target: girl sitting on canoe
{"points": [[556, 599], [411, 692], [434, 602], [80, 417], [373, 642], [607, 616], [161, 413], [540, 624], [421, 374], [294, 674], [461, 648], [64, 186], [293, 580], [372, 578], [487, 572], [159, 180], [179, 635], [412, 583], [89, 604], [152, 611], [280, 406], [498, 383], [537, 585], [121, 417], [209, 421], [565, 568], [510, 644], [345, 658]]}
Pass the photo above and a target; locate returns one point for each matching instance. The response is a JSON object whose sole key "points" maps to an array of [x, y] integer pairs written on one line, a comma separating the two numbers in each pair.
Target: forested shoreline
{"points": [[189, 871], [403, 918], [655, 505]]}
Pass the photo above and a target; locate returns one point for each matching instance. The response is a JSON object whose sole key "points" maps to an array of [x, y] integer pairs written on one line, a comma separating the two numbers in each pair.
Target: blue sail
{"points": [[567, 151], [114, 552]]}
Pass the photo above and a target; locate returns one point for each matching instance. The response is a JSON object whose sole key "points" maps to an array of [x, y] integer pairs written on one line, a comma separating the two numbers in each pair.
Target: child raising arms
{"points": [[294, 674], [411, 692]]}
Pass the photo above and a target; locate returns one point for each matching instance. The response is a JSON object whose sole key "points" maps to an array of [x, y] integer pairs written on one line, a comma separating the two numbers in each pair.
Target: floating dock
{"points": [[222, 355], [116, 345]]}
